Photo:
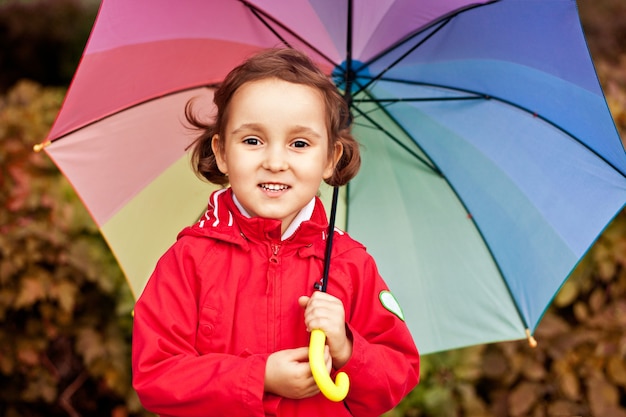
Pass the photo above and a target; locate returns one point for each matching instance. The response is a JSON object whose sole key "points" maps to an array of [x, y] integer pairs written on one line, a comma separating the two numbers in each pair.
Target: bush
{"points": [[65, 307]]}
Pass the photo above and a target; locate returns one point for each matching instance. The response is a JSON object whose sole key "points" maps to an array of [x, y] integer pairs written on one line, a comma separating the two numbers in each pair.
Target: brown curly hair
{"points": [[289, 65]]}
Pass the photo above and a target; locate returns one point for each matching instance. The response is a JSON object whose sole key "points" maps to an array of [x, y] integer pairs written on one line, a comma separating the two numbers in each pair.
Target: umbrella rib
{"points": [[379, 127], [255, 12], [430, 164], [476, 95], [141, 103], [416, 99], [262, 15], [407, 53], [442, 21]]}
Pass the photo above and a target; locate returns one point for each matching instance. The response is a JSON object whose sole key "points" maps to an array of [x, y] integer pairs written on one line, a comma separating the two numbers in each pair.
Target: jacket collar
{"points": [[224, 221], [304, 215]]}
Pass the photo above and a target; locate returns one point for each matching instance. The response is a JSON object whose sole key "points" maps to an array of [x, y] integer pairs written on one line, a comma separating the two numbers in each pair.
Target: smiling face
{"points": [[275, 149]]}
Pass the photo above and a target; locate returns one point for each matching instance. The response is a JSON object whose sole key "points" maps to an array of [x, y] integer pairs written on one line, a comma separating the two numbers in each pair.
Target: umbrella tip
{"points": [[531, 340], [40, 146]]}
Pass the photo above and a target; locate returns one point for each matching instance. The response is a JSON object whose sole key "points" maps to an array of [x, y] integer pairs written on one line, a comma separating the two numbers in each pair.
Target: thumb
{"points": [[303, 301]]}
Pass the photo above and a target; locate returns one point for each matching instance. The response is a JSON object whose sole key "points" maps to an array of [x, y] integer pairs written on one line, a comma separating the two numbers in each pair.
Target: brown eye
{"points": [[251, 141]]}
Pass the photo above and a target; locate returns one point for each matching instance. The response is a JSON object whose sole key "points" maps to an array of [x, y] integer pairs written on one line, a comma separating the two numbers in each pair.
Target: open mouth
{"points": [[274, 187]]}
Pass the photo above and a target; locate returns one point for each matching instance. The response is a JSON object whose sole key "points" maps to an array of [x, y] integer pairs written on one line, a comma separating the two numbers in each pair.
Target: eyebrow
{"points": [[294, 130], [247, 126]]}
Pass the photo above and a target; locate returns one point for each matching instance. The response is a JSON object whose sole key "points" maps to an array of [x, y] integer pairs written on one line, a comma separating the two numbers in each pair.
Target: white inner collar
{"points": [[304, 215]]}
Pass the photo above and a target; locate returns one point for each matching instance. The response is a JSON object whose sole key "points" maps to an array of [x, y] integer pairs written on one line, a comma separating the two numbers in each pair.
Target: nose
{"points": [[276, 158]]}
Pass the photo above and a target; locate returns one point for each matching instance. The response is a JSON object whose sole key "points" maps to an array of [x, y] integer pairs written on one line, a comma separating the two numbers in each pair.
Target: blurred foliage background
{"points": [[65, 307]]}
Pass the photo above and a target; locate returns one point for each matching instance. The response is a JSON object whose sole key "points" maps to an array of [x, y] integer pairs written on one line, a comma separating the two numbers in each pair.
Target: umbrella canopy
{"points": [[490, 159]]}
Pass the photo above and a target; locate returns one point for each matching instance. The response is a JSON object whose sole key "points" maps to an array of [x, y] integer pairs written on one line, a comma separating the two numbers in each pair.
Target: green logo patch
{"points": [[390, 303]]}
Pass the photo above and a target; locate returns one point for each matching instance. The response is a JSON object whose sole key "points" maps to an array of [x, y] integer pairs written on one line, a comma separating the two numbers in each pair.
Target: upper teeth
{"points": [[274, 187]]}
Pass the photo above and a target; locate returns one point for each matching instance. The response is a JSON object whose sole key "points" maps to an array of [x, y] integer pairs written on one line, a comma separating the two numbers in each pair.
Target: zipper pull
{"points": [[275, 249]]}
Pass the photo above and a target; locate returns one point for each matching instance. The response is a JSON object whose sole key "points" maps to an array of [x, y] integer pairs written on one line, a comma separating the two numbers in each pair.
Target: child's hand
{"points": [[288, 373], [324, 311]]}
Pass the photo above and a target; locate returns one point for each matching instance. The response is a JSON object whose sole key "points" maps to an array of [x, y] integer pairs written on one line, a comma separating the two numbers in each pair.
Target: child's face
{"points": [[276, 147]]}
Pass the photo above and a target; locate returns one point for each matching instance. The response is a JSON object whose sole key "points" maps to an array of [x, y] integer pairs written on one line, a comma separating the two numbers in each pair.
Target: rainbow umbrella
{"points": [[490, 160]]}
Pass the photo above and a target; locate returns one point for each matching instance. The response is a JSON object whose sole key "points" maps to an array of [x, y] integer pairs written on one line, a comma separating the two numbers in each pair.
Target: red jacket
{"points": [[225, 296]]}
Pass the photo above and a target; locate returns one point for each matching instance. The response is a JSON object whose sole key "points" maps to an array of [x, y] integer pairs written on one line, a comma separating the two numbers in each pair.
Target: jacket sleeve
{"points": [[169, 375], [384, 366]]}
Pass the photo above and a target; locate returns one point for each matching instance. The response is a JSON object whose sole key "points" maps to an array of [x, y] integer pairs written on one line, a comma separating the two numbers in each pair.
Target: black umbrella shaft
{"points": [[349, 76], [333, 207], [329, 242]]}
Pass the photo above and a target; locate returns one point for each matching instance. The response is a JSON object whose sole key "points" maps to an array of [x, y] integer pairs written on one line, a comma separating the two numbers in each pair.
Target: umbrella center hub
{"points": [[351, 76]]}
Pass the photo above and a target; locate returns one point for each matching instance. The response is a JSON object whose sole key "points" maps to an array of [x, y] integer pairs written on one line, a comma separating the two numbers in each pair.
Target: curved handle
{"points": [[334, 391]]}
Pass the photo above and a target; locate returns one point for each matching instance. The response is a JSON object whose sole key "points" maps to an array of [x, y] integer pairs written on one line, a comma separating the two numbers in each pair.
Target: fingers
{"points": [[303, 301], [323, 311], [288, 374], [326, 312], [300, 354]]}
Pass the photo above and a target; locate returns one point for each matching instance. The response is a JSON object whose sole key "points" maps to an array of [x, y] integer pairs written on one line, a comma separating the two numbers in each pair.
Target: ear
{"points": [[332, 162], [220, 158]]}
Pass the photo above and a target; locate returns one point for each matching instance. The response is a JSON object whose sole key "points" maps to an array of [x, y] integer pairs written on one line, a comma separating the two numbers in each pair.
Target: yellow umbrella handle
{"points": [[334, 391]]}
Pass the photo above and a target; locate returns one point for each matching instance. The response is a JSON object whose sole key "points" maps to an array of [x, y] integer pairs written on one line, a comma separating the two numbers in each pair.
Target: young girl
{"points": [[222, 327]]}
